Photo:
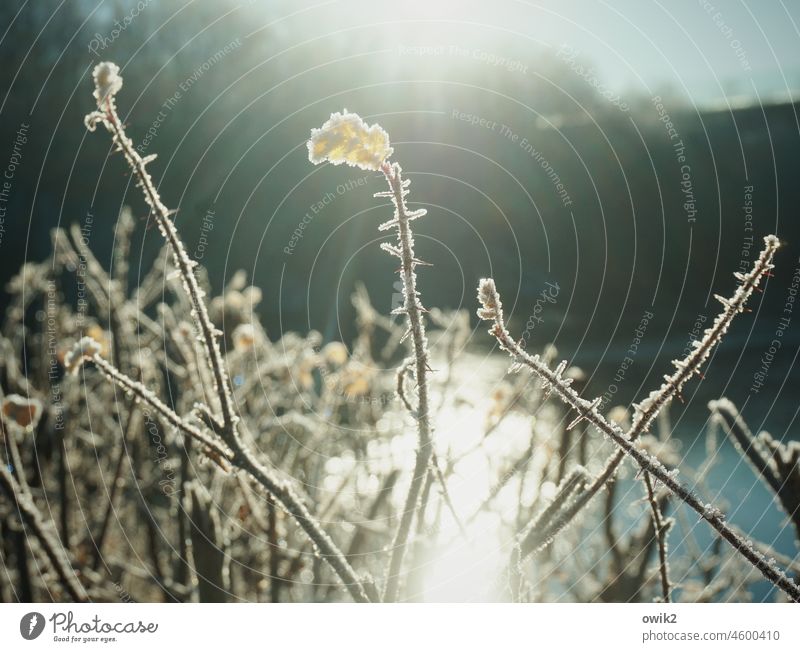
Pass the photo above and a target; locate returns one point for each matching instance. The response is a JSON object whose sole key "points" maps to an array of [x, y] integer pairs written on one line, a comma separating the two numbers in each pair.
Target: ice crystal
{"points": [[107, 81], [346, 138], [83, 349]]}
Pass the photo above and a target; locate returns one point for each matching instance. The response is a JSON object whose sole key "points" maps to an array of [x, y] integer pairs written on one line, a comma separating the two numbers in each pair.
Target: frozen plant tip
{"points": [[84, 349], [346, 138], [107, 81], [647, 410]]}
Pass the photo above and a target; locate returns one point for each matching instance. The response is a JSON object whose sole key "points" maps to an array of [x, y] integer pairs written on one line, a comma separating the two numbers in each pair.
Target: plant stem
{"points": [[413, 311], [32, 517], [647, 411], [588, 410], [226, 427], [661, 529]]}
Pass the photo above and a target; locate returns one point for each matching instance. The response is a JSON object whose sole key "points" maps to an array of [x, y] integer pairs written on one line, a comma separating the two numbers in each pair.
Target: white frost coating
{"points": [[491, 308], [107, 81], [83, 349], [21, 412], [346, 138], [685, 368]]}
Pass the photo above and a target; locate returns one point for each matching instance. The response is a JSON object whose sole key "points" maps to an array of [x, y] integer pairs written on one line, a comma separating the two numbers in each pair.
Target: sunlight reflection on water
{"points": [[468, 571]]}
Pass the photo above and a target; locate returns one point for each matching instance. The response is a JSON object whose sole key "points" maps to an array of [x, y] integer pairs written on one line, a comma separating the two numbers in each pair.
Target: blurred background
{"points": [[623, 157], [628, 152]]}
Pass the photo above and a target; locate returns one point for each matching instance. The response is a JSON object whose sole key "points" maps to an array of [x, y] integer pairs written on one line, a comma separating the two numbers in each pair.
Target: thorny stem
{"points": [[710, 514], [648, 410], [226, 427], [328, 550], [214, 451], [492, 310], [544, 526], [16, 459], [185, 266], [686, 368], [32, 517], [413, 311], [116, 486], [434, 465], [662, 528]]}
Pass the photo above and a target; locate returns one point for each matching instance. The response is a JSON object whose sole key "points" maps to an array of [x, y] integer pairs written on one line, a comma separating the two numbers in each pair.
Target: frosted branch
{"points": [[491, 309]]}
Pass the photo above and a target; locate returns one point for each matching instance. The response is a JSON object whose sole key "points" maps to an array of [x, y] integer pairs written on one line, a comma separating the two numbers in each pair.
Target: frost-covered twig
{"points": [[32, 517], [107, 84], [435, 468], [649, 408], [645, 413], [215, 451], [412, 308], [491, 309], [550, 521], [661, 527], [747, 444], [777, 463]]}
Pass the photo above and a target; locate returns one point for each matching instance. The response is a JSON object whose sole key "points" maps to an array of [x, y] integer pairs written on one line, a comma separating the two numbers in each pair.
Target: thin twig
{"points": [[492, 310], [32, 517], [436, 469], [108, 83], [116, 485], [661, 529], [686, 368]]}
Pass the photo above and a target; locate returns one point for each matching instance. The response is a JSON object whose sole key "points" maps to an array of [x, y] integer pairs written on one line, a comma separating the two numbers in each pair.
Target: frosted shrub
{"points": [[146, 449]]}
